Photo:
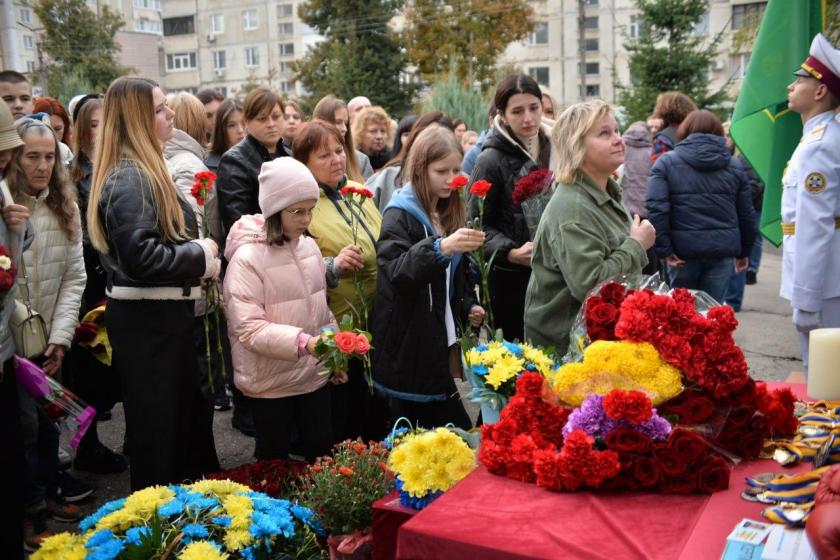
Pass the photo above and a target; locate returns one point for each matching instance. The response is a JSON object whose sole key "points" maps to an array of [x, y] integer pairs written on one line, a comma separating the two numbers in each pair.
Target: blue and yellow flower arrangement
{"points": [[428, 463], [207, 520]]}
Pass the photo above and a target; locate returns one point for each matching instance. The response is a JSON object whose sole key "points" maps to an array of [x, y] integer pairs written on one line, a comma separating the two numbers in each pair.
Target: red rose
{"points": [[689, 446], [646, 471], [458, 182], [669, 462], [628, 440], [677, 485], [613, 293], [599, 333], [696, 410], [480, 188], [712, 476], [604, 314], [739, 416], [346, 342], [362, 344]]}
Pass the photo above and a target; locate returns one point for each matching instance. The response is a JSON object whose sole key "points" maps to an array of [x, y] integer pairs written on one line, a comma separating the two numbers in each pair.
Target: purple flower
{"points": [[592, 419]]}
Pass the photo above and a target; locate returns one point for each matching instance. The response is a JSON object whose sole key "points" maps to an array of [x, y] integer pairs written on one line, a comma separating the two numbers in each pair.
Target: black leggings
{"points": [[310, 413], [432, 414], [167, 419]]}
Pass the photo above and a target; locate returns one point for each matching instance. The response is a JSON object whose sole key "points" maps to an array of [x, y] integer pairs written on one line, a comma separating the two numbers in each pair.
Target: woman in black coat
{"points": [[700, 202], [423, 293], [518, 144]]}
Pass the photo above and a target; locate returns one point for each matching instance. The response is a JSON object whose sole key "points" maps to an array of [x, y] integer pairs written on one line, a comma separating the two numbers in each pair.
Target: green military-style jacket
{"points": [[581, 241]]}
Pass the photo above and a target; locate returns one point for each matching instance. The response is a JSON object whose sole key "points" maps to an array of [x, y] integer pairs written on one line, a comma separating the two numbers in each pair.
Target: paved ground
{"points": [[766, 334]]}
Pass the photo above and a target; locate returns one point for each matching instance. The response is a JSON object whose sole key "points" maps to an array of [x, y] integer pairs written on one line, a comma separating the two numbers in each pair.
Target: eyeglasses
{"points": [[300, 212]]}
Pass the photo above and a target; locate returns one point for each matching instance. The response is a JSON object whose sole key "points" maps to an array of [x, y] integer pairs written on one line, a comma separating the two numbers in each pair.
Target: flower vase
{"points": [[489, 414], [355, 546]]}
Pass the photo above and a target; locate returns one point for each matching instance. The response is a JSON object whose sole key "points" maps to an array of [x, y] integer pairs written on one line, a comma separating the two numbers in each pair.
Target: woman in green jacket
{"points": [[585, 235]]}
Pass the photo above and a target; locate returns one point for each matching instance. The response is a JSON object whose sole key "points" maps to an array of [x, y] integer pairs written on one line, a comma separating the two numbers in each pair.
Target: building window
{"points": [[147, 26], [25, 15], [701, 26], [590, 22], [745, 13], [591, 2], [591, 44], [590, 67], [635, 27], [252, 56], [223, 90], [30, 66], [286, 87], [28, 43], [593, 90], [249, 19], [739, 64], [540, 74], [287, 49], [219, 60], [539, 36], [286, 68], [217, 23], [285, 29], [178, 26], [147, 4], [285, 10], [180, 61]]}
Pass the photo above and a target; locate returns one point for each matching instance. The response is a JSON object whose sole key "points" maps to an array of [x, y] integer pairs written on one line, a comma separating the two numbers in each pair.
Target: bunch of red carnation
{"points": [[702, 348], [204, 181], [532, 184], [350, 190], [601, 311], [777, 406], [274, 477]]}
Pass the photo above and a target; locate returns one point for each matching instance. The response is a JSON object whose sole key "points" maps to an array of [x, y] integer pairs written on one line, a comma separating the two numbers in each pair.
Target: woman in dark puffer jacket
{"points": [[700, 203]]}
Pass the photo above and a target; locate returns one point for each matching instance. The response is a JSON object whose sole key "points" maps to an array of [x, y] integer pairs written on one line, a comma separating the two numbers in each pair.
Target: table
{"points": [[491, 517]]}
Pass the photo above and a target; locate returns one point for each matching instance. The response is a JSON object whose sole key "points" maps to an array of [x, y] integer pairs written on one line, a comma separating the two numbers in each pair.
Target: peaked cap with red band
{"points": [[823, 64]]}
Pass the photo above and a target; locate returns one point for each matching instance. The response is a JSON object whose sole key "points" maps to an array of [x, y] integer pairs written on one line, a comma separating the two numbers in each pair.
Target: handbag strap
{"points": [[26, 298]]}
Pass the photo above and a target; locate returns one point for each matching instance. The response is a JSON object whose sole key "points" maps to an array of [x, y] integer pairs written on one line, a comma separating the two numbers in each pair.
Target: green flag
{"points": [[763, 127]]}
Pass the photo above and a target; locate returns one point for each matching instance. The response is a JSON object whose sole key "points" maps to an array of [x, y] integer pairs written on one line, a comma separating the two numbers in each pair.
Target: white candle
{"points": [[824, 364]]}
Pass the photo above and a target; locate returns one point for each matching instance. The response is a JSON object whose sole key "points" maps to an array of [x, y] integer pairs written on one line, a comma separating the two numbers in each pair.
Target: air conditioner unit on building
{"points": [[220, 72], [211, 38]]}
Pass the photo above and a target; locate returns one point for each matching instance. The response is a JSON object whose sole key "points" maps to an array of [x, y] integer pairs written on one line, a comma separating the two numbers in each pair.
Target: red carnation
{"points": [[531, 184], [364, 193], [458, 182], [633, 406], [480, 188], [347, 190]]}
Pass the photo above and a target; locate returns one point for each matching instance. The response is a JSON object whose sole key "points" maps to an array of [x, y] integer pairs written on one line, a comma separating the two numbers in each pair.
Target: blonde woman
{"points": [[585, 235], [374, 135], [142, 230]]}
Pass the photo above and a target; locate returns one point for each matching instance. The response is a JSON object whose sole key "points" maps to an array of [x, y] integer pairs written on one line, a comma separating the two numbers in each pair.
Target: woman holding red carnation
{"points": [[350, 261], [423, 292], [585, 236], [517, 144], [275, 295]]}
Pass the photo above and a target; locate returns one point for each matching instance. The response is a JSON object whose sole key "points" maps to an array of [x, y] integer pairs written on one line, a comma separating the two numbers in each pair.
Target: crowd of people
{"points": [[99, 210]]}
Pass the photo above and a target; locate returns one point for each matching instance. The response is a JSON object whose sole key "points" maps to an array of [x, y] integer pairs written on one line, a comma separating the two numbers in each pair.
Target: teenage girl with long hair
{"points": [[143, 231], [423, 292]]}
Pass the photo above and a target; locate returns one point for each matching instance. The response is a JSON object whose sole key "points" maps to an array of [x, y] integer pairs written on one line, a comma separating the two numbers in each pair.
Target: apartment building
{"points": [[139, 38], [213, 43], [552, 52]]}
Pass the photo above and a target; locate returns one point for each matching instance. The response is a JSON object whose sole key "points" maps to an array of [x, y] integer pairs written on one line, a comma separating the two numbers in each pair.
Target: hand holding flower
{"points": [[476, 315], [463, 240], [349, 259]]}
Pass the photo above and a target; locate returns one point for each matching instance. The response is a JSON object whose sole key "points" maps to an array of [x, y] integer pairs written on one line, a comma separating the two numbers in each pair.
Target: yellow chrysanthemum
{"points": [[431, 461], [218, 488], [63, 546], [537, 357], [237, 539], [621, 365], [504, 369], [121, 520], [146, 501], [202, 550]]}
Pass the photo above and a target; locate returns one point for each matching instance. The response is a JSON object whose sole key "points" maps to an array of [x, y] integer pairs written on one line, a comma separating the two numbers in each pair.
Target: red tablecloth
{"points": [[490, 517]]}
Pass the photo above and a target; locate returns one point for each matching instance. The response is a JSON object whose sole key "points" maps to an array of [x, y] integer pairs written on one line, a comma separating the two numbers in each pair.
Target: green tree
{"points": [[670, 55], [79, 43], [359, 55], [471, 34]]}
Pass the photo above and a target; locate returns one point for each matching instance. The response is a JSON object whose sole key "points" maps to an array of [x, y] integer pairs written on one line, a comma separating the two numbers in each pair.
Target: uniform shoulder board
{"points": [[817, 133]]}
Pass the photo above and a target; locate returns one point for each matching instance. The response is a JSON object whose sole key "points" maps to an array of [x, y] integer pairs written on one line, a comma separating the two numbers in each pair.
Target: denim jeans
{"points": [[738, 281], [708, 275]]}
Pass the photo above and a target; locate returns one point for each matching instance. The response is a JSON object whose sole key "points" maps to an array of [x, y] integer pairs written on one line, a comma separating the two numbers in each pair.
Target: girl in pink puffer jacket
{"points": [[276, 303]]}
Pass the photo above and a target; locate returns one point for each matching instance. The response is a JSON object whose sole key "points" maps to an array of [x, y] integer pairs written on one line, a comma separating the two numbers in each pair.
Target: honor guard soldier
{"points": [[811, 196]]}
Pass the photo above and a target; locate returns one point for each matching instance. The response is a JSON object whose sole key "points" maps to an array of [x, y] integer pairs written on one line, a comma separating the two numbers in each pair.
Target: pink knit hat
{"points": [[283, 182]]}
